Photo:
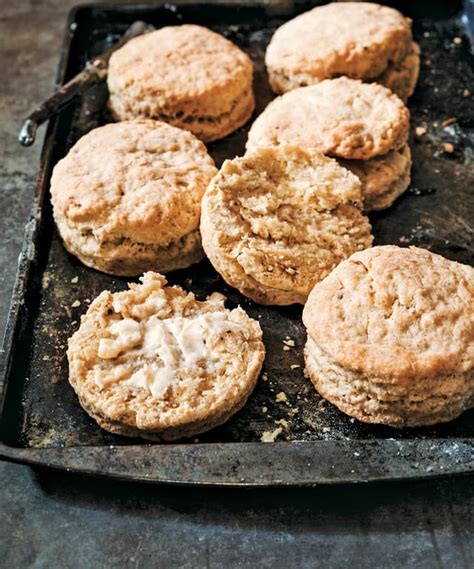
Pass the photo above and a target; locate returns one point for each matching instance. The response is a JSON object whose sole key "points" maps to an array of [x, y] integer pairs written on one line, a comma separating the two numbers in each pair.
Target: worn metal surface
{"points": [[42, 411], [51, 520]]}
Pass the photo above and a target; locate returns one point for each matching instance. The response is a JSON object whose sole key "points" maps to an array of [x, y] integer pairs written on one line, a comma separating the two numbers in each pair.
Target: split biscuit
{"points": [[153, 362], [188, 76], [391, 337], [279, 219], [299, 118], [127, 197]]}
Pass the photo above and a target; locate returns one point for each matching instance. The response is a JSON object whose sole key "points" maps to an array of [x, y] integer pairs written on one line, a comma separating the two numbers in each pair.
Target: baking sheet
{"points": [[42, 421]]}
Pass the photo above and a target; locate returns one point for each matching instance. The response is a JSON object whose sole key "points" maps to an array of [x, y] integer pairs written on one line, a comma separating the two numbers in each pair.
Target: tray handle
{"points": [[95, 72]]}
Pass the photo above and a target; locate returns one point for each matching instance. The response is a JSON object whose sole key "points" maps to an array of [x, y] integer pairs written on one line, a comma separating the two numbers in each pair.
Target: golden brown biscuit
{"points": [[357, 39], [187, 76], [401, 78], [391, 337], [127, 197], [279, 219], [342, 118], [154, 362], [383, 178]]}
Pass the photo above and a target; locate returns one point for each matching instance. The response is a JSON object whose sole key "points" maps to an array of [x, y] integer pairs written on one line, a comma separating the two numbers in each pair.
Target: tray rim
{"points": [[240, 464], [155, 462]]}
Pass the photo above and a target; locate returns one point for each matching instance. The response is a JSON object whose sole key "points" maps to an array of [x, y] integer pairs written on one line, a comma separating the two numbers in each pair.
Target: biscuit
{"points": [[127, 197], [279, 219], [153, 362], [343, 118], [391, 337], [355, 39], [187, 76], [383, 178]]}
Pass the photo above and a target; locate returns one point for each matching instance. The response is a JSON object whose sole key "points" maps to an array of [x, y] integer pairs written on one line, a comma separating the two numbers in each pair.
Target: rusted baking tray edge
{"points": [[260, 464], [295, 463]]}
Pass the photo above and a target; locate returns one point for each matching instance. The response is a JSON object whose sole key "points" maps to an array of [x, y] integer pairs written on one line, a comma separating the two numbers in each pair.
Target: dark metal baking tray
{"points": [[41, 421]]}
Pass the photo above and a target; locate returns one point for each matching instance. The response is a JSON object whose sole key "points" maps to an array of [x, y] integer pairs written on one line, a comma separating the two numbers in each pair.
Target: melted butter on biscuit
{"points": [[154, 378], [103, 379], [176, 343], [128, 335]]}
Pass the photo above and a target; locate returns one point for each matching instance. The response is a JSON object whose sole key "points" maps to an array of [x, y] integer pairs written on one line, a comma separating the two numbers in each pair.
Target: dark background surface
{"points": [[62, 520]]}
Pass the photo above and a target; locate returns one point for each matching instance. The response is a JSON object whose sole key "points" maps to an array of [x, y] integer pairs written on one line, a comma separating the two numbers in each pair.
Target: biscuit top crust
{"points": [[154, 355], [281, 214], [357, 39], [339, 117], [140, 179], [179, 64], [395, 312]]}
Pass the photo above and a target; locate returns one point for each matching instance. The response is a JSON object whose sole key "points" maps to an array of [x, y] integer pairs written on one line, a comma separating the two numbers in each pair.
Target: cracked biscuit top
{"points": [[186, 75], [341, 117], [140, 180], [391, 311], [356, 39]]}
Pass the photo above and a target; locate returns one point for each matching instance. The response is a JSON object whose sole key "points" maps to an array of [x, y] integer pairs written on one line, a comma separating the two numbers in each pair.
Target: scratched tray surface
{"points": [[41, 409]]}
